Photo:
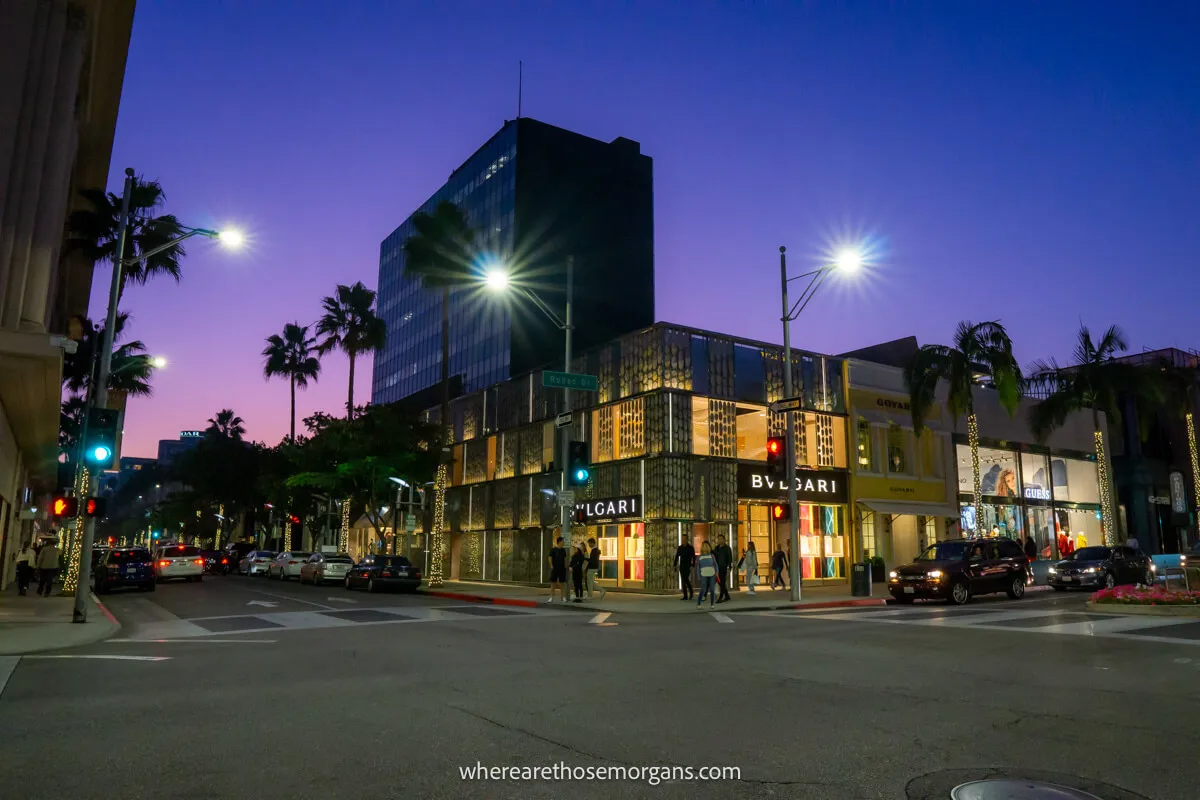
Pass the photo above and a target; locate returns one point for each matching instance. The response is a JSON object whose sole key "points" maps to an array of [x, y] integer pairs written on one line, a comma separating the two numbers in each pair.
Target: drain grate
{"points": [[1016, 789]]}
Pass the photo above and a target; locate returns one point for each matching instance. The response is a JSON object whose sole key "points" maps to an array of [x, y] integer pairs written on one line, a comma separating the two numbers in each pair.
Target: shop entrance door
{"points": [[622, 555]]}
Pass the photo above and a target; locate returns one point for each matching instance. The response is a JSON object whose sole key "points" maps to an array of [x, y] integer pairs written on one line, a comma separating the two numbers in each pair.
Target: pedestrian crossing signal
{"points": [[780, 512], [95, 506], [64, 507]]}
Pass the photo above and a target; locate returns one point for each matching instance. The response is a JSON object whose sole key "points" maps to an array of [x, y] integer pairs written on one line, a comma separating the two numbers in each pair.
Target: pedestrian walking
{"points": [[1030, 548], [558, 570], [685, 558], [578, 561], [593, 570], [723, 553], [749, 565], [779, 564], [47, 565], [707, 567], [26, 558]]}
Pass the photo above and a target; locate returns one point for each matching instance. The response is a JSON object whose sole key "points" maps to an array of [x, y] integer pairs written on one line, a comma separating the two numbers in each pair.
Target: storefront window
{"points": [[547, 445], [1035, 476], [1075, 528], [868, 534], [929, 531], [1075, 479], [634, 542], [751, 433], [997, 471], [932, 462], [822, 542], [699, 365], [868, 459], [748, 379], [699, 424], [1040, 527], [899, 457]]}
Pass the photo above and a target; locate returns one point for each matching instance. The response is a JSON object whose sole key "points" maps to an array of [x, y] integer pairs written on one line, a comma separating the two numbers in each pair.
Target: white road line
{"points": [[599, 618], [294, 599], [1115, 624], [720, 617], [198, 640], [112, 658], [341, 600], [7, 665]]}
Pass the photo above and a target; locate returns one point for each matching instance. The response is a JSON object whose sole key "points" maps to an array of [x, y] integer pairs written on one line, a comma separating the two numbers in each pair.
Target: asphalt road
{"points": [[336, 694]]}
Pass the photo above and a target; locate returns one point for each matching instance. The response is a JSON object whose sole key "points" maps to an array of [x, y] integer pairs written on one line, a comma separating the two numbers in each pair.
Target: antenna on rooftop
{"points": [[520, 85]]}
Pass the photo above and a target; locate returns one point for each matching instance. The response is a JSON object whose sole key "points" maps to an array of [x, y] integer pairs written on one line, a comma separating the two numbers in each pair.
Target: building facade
{"points": [[63, 66], [534, 195]]}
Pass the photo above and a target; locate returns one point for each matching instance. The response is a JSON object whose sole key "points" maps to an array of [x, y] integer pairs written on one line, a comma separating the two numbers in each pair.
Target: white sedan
{"points": [[178, 561], [322, 567], [287, 565]]}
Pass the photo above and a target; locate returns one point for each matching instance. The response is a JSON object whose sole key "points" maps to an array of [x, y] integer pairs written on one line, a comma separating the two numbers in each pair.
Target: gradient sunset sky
{"points": [[1038, 163]]}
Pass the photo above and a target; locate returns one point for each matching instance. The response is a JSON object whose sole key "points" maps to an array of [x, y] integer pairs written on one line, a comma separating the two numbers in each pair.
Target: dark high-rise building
{"points": [[533, 194]]}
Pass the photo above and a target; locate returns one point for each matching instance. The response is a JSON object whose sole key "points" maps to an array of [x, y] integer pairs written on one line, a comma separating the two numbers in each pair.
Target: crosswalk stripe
{"points": [[719, 617], [599, 618]]}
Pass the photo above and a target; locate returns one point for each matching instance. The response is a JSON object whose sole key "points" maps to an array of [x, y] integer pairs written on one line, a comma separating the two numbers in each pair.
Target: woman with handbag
{"points": [[749, 566]]}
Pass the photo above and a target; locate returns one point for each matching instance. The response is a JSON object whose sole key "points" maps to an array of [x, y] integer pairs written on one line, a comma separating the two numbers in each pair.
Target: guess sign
{"points": [[812, 485], [611, 509]]}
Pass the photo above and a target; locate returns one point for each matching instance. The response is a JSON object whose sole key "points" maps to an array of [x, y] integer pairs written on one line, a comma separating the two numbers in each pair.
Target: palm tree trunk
{"points": [[439, 483], [976, 479], [350, 397], [1191, 434], [1107, 518], [293, 418]]}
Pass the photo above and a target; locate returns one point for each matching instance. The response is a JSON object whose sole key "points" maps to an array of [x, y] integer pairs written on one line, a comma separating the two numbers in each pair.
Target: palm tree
{"points": [[130, 369], [291, 356], [70, 425], [94, 232], [226, 425], [441, 255], [350, 323], [982, 353], [1094, 382]]}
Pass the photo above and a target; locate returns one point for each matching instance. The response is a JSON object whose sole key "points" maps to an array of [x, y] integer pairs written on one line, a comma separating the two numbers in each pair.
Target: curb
{"points": [[94, 635], [477, 598], [1135, 610], [865, 602]]}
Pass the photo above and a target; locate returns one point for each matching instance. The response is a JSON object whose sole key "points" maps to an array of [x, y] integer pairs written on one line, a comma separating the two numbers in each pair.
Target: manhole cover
{"points": [[1016, 789]]}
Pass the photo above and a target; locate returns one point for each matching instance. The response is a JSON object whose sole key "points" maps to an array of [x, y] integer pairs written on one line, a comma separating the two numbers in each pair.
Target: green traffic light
{"points": [[581, 475], [101, 453]]}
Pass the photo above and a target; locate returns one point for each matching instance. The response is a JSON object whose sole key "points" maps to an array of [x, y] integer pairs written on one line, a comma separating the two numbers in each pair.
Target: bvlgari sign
{"points": [[755, 481], [611, 509]]}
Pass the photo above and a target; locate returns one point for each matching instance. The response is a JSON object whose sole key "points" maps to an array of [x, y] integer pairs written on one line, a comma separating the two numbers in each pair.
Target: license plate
{"points": [[403, 573], [910, 590], [1069, 579], [130, 570]]}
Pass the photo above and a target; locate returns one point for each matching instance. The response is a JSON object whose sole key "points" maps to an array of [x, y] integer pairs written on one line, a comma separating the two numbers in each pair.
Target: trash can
{"points": [[860, 579]]}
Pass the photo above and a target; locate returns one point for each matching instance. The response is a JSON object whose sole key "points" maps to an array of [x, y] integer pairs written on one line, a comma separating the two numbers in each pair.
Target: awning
{"points": [[922, 509]]}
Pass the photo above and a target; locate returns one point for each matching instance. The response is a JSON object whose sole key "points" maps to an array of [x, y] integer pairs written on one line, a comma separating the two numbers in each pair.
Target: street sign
{"points": [[570, 380], [566, 499], [562, 420], [410, 522], [788, 404]]}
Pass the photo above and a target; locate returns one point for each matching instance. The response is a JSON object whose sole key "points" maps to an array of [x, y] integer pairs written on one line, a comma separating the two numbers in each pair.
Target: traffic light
{"points": [[63, 506], [578, 515], [781, 512], [95, 506], [156, 534], [101, 442], [578, 465], [776, 456]]}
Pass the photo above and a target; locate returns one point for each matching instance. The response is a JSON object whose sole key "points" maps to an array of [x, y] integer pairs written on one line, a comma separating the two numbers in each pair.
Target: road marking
{"points": [[720, 617], [599, 618], [112, 658], [295, 599], [265, 603], [340, 600], [191, 641], [7, 665]]}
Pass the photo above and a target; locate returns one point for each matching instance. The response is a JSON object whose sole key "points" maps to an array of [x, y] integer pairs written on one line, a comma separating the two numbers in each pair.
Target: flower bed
{"points": [[1140, 596]]}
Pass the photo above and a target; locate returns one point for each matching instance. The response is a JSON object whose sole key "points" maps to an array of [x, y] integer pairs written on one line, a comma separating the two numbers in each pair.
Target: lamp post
{"points": [[497, 279], [100, 395], [401, 485], [847, 260]]}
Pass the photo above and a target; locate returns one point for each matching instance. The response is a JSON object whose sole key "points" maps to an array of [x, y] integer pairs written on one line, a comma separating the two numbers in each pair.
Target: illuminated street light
{"points": [[158, 362], [231, 237], [849, 259], [497, 279]]}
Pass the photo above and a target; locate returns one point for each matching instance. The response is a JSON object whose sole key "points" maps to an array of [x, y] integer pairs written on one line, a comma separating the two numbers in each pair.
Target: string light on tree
{"points": [[344, 538], [439, 517], [75, 541], [1106, 526], [977, 496], [1191, 430]]}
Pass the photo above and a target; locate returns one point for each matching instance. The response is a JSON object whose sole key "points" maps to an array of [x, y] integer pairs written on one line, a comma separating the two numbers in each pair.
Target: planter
{"points": [[1145, 610], [878, 572]]}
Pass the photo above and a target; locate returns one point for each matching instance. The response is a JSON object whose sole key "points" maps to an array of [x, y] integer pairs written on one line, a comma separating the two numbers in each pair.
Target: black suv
{"points": [[958, 569], [1099, 567]]}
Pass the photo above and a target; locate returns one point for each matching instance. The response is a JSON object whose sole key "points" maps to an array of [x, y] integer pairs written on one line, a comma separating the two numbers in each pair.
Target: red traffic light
{"points": [[775, 446], [64, 507], [294, 519], [95, 506], [780, 512]]}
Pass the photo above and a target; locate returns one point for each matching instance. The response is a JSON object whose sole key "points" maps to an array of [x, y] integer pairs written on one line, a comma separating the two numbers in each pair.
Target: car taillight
{"points": [[113, 567], [199, 561], [164, 563], [224, 560]]}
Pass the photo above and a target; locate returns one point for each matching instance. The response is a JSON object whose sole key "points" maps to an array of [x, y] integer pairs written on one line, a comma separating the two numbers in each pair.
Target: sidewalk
{"points": [[638, 603], [31, 624]]}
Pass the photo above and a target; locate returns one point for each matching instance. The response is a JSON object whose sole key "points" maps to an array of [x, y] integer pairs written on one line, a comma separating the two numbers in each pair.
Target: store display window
{"points": [[1075, 479], [997, 471], [1075, 528], [1035, 477]]}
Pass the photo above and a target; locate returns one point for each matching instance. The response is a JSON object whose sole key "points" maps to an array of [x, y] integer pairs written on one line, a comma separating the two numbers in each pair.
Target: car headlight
{"points": [[1054, 570], [934, 573], [1089, 571], [1153, 567], [1183, 559], [893, 574]]}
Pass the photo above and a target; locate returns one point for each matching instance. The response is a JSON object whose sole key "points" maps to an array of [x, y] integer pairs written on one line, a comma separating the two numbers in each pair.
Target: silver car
{"points": [[322, 567], [257, 562], [287, 565]]}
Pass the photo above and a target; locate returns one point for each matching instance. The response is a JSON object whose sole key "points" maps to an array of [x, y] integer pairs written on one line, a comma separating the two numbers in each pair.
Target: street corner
{"points": [[49, 626]]}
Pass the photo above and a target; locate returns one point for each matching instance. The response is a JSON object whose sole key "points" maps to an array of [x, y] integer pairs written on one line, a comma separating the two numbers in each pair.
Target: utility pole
{"points": [[790, 454], [566, 512]]}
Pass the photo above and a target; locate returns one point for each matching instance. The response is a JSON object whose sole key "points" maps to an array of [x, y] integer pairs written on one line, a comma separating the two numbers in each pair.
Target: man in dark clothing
{"points": [[558, 570], [685, 557], [1030, 548], [723, 554]]}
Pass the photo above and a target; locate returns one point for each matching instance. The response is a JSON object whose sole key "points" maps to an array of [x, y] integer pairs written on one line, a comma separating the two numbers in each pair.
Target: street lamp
{"points": [[497, 279], [847, 260], [158, 362], [100, 395]]}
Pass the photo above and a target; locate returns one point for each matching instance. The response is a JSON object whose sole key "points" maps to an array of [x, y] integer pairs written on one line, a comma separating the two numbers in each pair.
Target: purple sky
{"points": [[1036, 163]]}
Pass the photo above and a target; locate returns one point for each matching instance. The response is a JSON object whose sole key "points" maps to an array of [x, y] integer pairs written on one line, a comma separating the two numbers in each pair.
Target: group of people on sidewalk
{"points": [[584, 564], [42, 560], [712, 566]]}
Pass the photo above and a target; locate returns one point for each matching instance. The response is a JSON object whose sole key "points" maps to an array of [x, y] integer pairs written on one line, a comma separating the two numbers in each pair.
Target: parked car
{"points": [[1101, 567], [256, 562], [178, 561], [287, 565], [378, 573], [236, 551], [121, 567], [322, 567], [216, 562], [958, 569]]}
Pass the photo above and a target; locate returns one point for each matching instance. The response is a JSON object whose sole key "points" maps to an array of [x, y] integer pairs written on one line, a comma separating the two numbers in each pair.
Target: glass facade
{"points": [[480, 328]]}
